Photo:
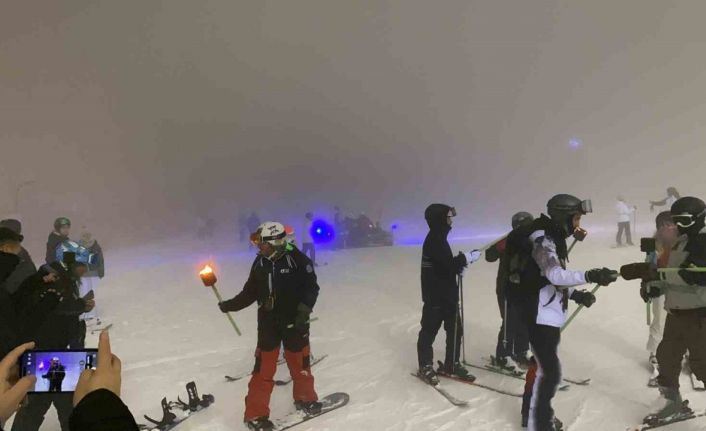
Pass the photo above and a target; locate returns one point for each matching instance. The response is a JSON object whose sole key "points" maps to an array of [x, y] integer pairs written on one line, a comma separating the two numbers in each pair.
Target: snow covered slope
{"points": [[168, 331]]}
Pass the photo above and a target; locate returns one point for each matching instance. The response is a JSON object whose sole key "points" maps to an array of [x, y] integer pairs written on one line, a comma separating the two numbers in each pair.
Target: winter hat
{"points": [[61, 222], [7, 234], [13, 225]]}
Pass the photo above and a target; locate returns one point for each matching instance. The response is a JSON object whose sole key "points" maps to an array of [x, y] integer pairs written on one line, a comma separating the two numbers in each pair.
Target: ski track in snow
{"points": [[168, 331]]}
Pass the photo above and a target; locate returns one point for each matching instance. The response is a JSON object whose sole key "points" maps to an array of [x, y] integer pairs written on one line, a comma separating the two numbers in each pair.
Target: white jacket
{"points": [[624, 211], [550, 310]]}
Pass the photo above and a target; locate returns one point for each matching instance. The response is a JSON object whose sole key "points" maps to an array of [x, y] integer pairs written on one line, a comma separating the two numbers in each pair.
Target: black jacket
{"points": [[496, 252], [50, 319], [102, 410], [439, 266], [52, 243], [293, 282], [24, 269], [8, 316], [98, 268]]}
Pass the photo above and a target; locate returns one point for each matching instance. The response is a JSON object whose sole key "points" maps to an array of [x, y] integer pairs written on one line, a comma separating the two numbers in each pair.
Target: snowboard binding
{"points": [[195, 402], [168, 417]]}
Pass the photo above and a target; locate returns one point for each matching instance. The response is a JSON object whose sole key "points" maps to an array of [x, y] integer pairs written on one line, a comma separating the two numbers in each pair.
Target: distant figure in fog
{"points": [[672, 196]]}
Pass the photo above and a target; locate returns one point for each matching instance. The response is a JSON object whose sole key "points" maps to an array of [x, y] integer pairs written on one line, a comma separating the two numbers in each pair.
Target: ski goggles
{"points": [[256, 239], [686, 220], [452, 212], [586, 206]]}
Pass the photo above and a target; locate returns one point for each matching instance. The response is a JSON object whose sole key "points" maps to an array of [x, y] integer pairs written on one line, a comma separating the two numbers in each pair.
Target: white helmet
{"points": [[270, 232]]}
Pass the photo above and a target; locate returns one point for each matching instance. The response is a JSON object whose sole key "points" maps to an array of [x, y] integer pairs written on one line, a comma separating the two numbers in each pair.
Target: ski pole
{"points": [[505, 317], [648, 307], [572, 245], [580, 307], [455, 335], [463, 320], [313, 319], [209, 279]]}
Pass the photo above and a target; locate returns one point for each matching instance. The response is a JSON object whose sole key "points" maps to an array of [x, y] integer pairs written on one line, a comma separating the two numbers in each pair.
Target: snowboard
{"points": [[329, 403]]}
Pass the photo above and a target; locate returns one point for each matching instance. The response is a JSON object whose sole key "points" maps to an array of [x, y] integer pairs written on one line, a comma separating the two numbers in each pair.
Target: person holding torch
{"points": [[283, 283]]}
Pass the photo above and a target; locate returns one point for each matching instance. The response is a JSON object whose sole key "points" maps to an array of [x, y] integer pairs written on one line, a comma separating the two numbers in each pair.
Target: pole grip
{"points": [[576, 312], [220, 299]]}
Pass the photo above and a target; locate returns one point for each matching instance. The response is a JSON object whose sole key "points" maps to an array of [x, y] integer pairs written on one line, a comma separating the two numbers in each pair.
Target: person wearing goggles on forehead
{"points": [[685, 302], [440, 269], [540, 286], [283, 283]]}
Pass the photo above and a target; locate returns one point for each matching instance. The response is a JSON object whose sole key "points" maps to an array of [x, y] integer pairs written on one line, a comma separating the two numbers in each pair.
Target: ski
{"points": [[480, 385], [514, 375], [685, 415], [243, 375], [288, 380], [329, 403], [101, 329], [453, 400]]}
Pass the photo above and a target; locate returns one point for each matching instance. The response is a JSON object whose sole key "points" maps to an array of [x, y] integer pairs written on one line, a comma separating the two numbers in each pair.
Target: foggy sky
{"points": [[134, 116]]}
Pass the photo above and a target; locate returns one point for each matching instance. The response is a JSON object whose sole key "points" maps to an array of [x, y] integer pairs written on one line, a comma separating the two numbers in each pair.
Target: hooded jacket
{"points": [[439, 266]]}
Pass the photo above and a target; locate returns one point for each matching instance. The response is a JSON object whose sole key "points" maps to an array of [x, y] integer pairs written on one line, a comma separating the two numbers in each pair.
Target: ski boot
{"points": [[456, 370], [506, 363], [670, 405], [522, 361], [652, 382], [260, 424], [310, 408], [428, 374]]}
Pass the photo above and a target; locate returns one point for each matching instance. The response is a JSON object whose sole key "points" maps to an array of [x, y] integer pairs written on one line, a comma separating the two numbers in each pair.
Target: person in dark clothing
{"points": [[513, 344], [9, 249], [283, 283], [26, 266], [440, 269], [541, 287], [55, 374], [59, 330], [62, 228]]}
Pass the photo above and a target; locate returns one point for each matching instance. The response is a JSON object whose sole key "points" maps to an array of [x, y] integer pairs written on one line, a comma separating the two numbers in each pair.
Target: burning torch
{"points": [[209, 280]]}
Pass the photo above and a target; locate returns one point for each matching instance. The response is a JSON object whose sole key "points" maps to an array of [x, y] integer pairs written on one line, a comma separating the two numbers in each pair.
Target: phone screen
{"points": [[57, 371]]}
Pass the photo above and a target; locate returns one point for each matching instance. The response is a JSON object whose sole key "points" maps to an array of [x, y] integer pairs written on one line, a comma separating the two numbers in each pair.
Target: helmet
{"points": [[689, 213], [270, 232], [61, 222], [66, 249], [562, 208], [521, 218]]}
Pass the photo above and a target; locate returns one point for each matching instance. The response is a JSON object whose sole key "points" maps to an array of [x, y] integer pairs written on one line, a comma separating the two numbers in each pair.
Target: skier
{"points": [[308, 239], [513, 345], [537, 256], [62, 228], [665, 237], [624, 215], [685, 302], [283, 282], [55, 374], [92, 279], [672, 196], [439, 272], [25, 268]]}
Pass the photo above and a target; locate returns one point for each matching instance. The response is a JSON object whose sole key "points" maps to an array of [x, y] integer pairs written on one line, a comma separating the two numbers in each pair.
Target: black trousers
{"points": [[623, 227], [433, 317], [31, 414], [308, 247], [545, 343], [682, 332], [517, 339]]}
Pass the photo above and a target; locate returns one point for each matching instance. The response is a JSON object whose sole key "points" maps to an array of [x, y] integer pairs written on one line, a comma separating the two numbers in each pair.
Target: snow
{"points": [[168, 331]]}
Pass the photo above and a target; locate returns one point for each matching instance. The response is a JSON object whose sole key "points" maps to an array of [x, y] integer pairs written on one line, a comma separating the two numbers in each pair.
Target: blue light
{"points": [[575, 143], [322, 232], [394, 226]]}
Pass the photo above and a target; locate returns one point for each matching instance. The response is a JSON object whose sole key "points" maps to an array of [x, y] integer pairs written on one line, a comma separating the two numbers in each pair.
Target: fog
{"points": [[133, 117]]}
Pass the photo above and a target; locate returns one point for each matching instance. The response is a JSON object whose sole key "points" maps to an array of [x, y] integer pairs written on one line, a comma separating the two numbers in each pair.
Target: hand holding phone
{"points": [[107, 374], [12, 390]]}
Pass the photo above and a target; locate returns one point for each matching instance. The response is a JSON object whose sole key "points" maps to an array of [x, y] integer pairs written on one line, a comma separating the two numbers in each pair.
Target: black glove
{"points": [[301, 322], [583, 297], [223, 306], [602, 276], [693, 277], [649, 291]]}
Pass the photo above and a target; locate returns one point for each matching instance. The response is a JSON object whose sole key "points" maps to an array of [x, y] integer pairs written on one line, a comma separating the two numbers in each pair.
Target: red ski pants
{"points": [[296, 353]]}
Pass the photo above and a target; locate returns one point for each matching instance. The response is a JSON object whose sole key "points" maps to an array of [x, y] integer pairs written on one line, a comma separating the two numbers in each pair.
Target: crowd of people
{"points": [[534, 286], [48, 308]]}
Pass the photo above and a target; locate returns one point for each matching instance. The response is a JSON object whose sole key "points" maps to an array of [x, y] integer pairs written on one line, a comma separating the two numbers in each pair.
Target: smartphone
{"points": [[648, 245], [57, 371]]}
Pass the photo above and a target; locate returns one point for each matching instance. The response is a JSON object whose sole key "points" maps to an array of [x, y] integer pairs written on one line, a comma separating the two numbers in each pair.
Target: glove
{"points": [[692, 277], [461, 261], [222, 305], [303, 315], [601, 276], [583, 297], [649, 290], [472, 256]]}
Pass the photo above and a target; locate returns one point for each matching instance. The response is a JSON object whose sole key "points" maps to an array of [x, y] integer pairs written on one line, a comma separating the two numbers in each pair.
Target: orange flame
{"points": [[207, 270]]}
